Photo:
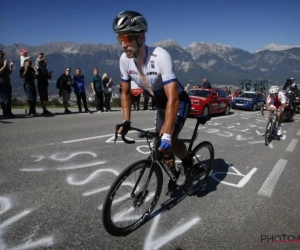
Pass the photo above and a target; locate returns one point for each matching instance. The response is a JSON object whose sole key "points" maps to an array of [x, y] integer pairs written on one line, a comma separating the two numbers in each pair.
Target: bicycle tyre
{"points": [[107, 221], [209, 146], [269, 132]]}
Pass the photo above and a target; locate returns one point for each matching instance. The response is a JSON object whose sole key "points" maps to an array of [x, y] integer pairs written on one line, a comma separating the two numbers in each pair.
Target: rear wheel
{"points": [[203, 158], [131, 211]]}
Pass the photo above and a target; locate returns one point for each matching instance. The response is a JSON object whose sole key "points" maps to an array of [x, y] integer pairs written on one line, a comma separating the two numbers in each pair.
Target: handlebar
{"points": [[262, 110], [142, 134]]}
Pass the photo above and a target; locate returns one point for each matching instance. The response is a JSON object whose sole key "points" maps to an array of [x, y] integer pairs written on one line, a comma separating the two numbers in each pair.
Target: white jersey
{"points": [[276, 101], [158, 69]]}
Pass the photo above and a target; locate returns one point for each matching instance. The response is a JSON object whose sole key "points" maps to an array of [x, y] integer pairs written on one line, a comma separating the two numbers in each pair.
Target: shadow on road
{"points": [[220, 165], [4, 122], [179, 195]]}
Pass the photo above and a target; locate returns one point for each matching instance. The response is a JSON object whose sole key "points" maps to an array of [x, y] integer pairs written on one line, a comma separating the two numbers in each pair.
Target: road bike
{"points": [[142, 194], [271, 129]]}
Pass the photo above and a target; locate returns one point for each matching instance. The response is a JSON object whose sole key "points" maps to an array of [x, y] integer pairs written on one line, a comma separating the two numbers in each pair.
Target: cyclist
{"points": [[151, 68], [276, 100]]}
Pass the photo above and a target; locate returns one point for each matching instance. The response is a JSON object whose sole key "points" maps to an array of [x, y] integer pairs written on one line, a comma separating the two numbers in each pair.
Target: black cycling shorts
{"points": [[183, 112]]}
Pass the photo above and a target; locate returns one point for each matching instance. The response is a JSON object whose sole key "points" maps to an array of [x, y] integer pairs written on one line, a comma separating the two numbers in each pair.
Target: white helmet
{"points": [[274, 90]]}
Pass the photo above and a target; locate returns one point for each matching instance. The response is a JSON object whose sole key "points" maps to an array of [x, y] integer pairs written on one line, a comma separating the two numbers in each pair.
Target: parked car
{"points": [[209, 101], [249, 100]]}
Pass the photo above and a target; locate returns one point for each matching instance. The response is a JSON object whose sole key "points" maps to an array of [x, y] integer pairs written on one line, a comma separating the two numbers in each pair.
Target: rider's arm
{"points": [[125, 85], [171, 108], [171, 90], [282, 100], [126, 100], [268, 101]]}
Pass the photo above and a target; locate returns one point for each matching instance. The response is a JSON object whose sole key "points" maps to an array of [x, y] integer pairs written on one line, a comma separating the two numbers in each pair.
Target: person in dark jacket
{"points": [[107, 86], [65, 82], [79, 90], [96, 85], [42, 86], [28, 73], [5, 86], [206, 84]]}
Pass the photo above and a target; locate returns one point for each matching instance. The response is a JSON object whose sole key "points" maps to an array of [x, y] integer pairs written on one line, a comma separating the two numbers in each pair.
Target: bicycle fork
{"points": [[144, 190]]}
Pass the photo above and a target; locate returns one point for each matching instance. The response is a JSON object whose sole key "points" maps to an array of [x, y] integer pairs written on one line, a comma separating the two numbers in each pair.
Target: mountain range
{"points": [[220, 64]]}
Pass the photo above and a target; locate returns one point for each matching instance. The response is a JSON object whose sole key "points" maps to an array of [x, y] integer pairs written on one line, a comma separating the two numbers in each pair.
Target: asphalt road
{"points": [[55, 171]]}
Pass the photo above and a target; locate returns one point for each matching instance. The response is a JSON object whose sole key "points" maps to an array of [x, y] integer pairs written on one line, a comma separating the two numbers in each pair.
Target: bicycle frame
{"points": [[272, 119], [156, 156]]}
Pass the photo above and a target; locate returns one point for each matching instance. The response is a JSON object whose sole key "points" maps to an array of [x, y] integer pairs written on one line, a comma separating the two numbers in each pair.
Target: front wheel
{"points": [[203, 159], [269, 132], [132, 210]]}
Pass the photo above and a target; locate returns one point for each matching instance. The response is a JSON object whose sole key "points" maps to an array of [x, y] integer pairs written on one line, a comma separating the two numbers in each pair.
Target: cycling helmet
{"points": [[130, 21], [274, 90]]}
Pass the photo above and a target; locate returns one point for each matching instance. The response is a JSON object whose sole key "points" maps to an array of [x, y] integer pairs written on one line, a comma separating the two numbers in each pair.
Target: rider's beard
{"points": [[130, 52]]}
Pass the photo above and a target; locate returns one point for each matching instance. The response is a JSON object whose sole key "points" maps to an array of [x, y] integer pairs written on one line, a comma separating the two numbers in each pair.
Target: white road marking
{"points": [[100, 136], [292, 145], [110, 135], [298, 133], [269, 184]]}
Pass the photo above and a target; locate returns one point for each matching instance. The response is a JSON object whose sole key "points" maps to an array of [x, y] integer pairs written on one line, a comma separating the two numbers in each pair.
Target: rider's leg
{"points": [[278, 119]]}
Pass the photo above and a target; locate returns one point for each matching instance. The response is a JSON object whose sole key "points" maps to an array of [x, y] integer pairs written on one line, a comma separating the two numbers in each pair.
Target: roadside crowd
{"points": [[30, 71]]}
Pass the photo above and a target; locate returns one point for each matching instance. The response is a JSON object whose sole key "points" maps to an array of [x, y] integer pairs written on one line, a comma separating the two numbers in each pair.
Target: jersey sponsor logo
{"points": [[152, 64], [132, 72], [151, 73], [181, 109]]}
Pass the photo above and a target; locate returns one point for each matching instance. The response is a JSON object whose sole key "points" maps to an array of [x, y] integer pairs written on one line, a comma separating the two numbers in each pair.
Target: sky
{"points": [[249, 25]]}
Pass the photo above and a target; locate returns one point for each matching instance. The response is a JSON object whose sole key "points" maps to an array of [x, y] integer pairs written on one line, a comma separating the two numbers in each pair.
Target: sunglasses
{"points": [[127, 38]]}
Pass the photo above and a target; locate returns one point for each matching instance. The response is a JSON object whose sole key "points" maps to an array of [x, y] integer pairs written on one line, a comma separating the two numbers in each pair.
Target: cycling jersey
{"points": [[276, 101], [159, 71]]}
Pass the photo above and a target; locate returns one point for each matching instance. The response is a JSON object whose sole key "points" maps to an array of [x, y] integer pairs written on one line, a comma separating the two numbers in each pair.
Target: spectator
{"points": [[40, 59], [28, 73], [78, 85], [206, 84], [42, 85], [236, 93], [147, 97], [187, 88], [24, 56], [96, 85], [64, 82], [5, 86], [107, 85]]}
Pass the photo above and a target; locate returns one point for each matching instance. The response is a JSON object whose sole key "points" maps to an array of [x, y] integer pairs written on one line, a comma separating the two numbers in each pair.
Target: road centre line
{"points": [[270, 183], [298, 133], [292, 145]]}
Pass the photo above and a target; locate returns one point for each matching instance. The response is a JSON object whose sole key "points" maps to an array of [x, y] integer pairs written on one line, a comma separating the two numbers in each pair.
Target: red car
{"points": [[209, 101]]}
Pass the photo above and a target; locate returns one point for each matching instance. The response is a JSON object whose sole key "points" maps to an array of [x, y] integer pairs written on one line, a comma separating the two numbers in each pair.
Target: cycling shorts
{"points": [[183, 112], [276, 106]]}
